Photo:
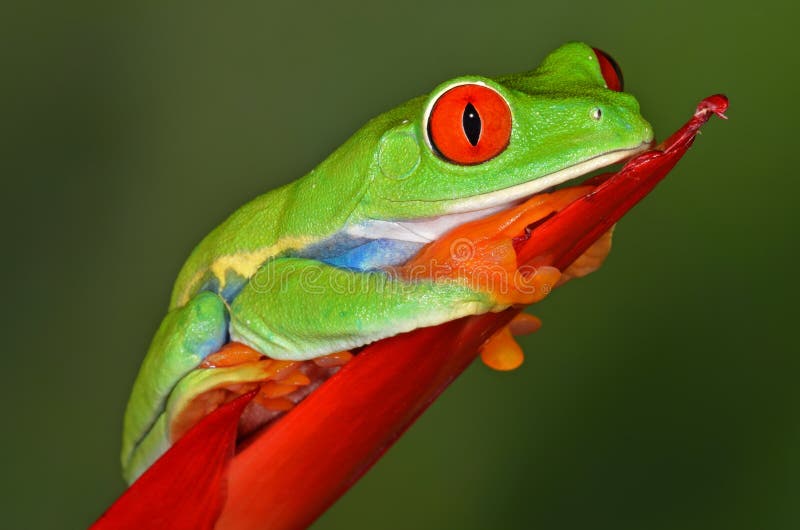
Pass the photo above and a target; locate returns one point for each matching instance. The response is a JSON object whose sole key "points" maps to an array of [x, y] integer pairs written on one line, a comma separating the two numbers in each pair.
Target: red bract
{"points": [[185, 488], [288, 474]]}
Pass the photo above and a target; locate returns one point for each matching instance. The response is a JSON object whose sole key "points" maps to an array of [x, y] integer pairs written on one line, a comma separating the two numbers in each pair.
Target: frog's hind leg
{"points": [[185, 337]]}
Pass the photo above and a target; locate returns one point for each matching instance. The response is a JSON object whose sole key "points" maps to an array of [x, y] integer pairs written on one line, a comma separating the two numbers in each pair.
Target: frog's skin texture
{"points": [[264, 276]]}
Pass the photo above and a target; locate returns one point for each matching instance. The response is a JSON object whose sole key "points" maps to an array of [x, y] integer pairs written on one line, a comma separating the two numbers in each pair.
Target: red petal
{"points": [[185, 488], [306, 460]]}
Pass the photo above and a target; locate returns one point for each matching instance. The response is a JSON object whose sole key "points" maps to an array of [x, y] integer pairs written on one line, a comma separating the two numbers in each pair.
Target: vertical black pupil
{"points": [[472, 124]]}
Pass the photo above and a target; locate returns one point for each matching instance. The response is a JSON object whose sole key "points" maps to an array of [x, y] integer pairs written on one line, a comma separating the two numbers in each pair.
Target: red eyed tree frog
{"points": [[300, 272]]}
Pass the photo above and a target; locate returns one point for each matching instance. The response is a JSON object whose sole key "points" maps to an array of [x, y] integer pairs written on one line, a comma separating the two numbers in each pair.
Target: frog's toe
{"points": [[528, 287], [501, 351], [339, 358], [231, 354], [524, 324], [590, 260]]}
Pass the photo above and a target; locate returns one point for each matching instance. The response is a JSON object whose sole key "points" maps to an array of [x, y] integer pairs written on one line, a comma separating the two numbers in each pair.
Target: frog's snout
{"points": [[628, 121]]}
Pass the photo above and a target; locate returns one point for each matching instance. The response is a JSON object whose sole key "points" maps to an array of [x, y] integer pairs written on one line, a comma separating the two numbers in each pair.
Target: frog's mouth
{"points": [[507, 196], [460, 211]]}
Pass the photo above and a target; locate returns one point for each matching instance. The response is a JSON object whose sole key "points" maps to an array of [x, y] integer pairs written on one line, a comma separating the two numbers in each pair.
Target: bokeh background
{"points": [[661, 392]]}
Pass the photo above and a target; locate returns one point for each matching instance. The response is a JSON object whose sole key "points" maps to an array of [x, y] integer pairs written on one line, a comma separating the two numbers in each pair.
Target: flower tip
{"points": [[717, 104]]}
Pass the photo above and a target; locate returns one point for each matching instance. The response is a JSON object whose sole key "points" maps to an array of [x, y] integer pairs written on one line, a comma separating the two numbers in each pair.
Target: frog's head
{"points": [[475, 145]]}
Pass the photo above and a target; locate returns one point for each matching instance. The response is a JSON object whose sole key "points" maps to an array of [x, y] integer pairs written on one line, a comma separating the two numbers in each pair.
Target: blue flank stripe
{"points": [[375, 254]]}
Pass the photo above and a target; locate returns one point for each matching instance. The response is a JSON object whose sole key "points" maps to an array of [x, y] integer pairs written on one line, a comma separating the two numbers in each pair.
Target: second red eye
{"points": [[610, 70], [470, 124]]}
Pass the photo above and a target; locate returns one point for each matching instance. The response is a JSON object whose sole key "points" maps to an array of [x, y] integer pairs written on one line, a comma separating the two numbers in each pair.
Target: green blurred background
{"points": [[661, 392]]}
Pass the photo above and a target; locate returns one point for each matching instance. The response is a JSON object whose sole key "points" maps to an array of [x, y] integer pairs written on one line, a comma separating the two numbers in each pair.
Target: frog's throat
{"points": [[461, 211]]}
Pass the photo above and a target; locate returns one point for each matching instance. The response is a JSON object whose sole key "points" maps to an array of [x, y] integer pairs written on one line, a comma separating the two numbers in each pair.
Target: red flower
{"points": [[291, 472]]}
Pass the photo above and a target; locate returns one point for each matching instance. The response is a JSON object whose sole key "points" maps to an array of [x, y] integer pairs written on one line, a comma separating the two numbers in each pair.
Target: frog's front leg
{"points": [[296, 308]]}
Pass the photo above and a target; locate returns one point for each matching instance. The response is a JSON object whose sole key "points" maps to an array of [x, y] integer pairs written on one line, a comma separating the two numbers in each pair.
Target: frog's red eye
{"points": [[470, 124], [610, 70]]}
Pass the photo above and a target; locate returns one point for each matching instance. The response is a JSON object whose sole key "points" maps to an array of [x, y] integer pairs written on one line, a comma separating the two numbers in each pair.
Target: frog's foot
{"points": [[237, 369], [501, 351], [281, 378], [289, 382], [490, 266], [486, 241], [481, 254]]}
